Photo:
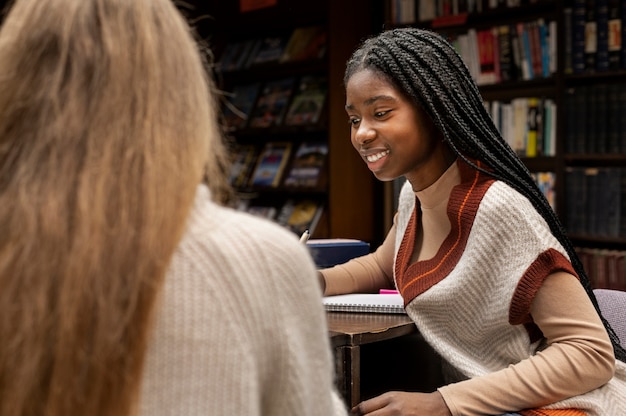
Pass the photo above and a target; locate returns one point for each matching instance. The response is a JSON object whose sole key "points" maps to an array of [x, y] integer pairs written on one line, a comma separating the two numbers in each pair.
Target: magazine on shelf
{"points": [[235, 55], [306, 43], [271, 164], [308, 164], [308, 101], [300, 215], [242, 162], [272, 103], [238, 105], [268, 50]]}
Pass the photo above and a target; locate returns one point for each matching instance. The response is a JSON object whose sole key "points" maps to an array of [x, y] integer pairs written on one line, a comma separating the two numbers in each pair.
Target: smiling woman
{"points": [[395, 137], [481, 261]]}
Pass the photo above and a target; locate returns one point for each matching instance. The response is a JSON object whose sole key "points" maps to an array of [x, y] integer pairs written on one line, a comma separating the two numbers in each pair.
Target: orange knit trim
{"points": [[414, 279], [552, 412], [547, 263]]}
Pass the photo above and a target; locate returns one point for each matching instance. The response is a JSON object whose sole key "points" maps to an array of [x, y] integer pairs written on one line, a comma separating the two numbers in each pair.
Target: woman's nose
{"points": [[364, 134]]}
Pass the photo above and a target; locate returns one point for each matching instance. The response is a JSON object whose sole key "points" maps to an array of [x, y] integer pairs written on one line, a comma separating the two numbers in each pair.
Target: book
{"points": [[532, 126], [602, 35], [365, 302], [270, 164], [328, 252], [306, 43], [578, 36], [272, 103], [238, 105], [308, 101], [591, 36], [235, 55], [242, 162], [546, 181], [505, 54], [300, 215], [267, 50], [568, 21], [486, 57], [307, 165], [614, 40], [526, 50], [262, 211]]}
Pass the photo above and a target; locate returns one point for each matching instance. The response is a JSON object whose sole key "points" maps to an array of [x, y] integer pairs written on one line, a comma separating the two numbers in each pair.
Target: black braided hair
{"points": [[426, 68]]}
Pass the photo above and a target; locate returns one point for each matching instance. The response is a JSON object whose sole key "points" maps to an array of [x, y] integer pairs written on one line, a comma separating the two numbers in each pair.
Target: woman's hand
{"points": [[396, 403]]}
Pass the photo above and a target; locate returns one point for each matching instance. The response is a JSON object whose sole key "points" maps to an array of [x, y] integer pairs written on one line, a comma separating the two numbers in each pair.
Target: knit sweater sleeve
{"points": [[579, 357]]}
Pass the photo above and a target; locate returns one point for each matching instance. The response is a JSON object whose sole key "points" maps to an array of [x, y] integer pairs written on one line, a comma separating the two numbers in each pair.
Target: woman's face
{"points": [[394, 136]]}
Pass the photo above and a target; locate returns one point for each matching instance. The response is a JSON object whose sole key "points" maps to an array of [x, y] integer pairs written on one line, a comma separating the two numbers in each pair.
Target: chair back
{"points": [[613, 307]]}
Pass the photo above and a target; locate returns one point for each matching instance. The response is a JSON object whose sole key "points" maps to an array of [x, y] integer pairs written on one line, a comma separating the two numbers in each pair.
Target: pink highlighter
{"points": [[388, 292]]}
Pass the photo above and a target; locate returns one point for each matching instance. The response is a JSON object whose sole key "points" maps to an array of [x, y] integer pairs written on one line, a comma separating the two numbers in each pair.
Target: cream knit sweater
{"points": [[240, 329]]}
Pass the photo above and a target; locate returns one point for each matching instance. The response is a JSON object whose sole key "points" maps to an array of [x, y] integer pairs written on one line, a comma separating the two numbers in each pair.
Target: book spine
{"points": [[525, 51], [516, 48], [623, 34], [612, 192], [622, 225], [602, 18], [576, 196], [591, 36], [505, 52], [535, 49], [531, 122], [569, 39], [544, 48], [614, 34], [578, 36], [613, 120], [486, 57], [592, 208], [601, 126], [590, 136], [621, 98]]}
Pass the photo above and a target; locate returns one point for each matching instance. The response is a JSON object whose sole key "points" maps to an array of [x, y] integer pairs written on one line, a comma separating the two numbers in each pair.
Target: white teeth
{"points": [[377, 156]]}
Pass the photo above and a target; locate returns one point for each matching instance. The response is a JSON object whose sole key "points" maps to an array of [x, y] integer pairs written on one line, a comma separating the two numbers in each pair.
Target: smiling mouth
{"points": [[376, 156]]}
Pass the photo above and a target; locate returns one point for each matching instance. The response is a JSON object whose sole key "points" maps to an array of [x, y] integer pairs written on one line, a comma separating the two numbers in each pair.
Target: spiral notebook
{"points": [[364, 302]]}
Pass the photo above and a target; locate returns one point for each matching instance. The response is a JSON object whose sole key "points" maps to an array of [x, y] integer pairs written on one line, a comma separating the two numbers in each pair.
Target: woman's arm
{"points": [[579, 357]]}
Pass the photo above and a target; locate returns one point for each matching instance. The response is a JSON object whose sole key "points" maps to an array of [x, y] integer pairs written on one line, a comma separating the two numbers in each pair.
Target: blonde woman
{"points": [[124, 288]]}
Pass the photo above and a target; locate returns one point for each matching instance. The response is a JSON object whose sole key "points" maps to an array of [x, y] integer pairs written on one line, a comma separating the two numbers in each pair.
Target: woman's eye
{"points": [[354, 121], [380, 113]]}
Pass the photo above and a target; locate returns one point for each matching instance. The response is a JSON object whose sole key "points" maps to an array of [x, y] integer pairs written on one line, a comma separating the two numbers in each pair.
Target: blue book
{"points": [[328, 252]]}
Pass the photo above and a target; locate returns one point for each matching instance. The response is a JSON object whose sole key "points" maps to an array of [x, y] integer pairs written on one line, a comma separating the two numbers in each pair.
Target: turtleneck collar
{"points": [[439, 192]]}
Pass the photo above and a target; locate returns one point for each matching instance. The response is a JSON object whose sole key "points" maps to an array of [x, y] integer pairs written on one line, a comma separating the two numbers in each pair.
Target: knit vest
{"points": [[472, 300]]}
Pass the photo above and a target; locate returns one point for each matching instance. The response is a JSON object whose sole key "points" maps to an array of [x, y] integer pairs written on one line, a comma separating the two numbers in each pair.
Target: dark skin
{"points": [[395, 138]]}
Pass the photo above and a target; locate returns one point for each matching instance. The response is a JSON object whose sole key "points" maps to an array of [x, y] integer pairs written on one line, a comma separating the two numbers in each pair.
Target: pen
{"points": [[305, 237]]}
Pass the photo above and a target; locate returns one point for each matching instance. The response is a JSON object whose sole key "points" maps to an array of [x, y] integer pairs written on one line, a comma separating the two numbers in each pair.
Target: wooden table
{"points": [[348, 332]]}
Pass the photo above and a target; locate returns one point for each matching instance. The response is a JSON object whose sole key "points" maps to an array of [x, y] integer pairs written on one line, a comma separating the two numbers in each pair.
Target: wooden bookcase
{"points": [[583, 114], [350, 193]]}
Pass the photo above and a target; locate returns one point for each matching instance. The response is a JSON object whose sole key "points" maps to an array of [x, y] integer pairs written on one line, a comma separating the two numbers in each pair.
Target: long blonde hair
{"points": [[107, 126]]}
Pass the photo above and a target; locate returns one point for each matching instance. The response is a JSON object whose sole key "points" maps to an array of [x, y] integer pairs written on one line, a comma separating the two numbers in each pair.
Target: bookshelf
{"points": [[584, 84], [347, 191]]}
